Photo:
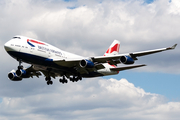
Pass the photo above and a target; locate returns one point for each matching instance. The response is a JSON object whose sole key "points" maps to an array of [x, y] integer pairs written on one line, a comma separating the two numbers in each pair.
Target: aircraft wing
{"points": [[74, 63], [67, 62], [111, 59], [138, 54], [36, 70], [32, 72]]}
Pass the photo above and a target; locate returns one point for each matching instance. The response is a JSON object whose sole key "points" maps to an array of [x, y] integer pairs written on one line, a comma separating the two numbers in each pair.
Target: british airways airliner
{"points": [[53, 62]]}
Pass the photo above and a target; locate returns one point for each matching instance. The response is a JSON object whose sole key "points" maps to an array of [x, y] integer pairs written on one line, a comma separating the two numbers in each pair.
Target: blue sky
{"points": [[154, 82], [149, 1], [150, 92]]}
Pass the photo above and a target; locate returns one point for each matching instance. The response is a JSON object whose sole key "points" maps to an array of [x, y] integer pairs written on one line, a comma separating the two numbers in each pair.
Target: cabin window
{"points": [[17, 45], [16, 37]]}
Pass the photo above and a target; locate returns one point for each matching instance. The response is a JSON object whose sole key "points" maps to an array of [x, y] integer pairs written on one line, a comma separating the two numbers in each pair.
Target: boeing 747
{"points": [[53, 62]]}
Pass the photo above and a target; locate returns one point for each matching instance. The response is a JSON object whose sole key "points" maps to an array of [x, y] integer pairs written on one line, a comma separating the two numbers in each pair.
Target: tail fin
{"points": [[113, 49]]}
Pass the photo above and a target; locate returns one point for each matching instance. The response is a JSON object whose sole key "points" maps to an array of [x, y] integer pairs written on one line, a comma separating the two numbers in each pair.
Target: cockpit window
{"points": [[16, 37]]}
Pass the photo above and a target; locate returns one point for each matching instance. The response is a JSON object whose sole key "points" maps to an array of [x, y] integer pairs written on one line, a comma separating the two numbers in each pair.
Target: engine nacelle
{"points": [[22, 73], [12, 76], [127, 60], [86, 63]]}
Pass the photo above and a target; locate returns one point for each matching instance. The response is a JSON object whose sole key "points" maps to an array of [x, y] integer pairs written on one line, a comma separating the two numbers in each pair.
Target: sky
{"points": [[88, 28]]}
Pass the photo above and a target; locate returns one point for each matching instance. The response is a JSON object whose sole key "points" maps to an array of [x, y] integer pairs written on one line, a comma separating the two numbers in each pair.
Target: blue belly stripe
{"points": [[34, 59]]}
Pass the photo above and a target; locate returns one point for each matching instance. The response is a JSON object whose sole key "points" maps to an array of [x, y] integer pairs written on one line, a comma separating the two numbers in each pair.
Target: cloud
{"points": [[88, 29], [174, 7], [91, 99]]}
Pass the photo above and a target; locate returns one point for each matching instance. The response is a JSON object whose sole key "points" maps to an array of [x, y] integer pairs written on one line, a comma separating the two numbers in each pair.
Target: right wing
{"points": [[104, 59]]}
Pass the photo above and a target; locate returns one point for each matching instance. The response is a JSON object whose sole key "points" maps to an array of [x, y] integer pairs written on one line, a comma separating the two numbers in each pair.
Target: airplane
{"points": [[53, 62]]}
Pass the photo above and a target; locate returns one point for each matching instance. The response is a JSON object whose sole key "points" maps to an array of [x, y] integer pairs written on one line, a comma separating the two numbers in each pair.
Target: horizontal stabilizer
{"points": [[127, 67]]}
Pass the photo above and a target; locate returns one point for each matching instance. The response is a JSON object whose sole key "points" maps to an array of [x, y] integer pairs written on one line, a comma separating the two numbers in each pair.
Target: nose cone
{"points": [[7, 46]]}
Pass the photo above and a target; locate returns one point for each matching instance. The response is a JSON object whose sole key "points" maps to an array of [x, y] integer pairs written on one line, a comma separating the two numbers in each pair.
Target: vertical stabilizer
{"points": [[113, 49]]}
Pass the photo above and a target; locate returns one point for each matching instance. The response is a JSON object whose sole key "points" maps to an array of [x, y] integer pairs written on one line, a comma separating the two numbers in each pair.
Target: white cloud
{"points": [[90, 99], [174, 7], [88, 30], [88, 27]]}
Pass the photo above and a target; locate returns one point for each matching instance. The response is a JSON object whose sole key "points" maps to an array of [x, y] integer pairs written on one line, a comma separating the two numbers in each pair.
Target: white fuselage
{"points": [[36, 52]]}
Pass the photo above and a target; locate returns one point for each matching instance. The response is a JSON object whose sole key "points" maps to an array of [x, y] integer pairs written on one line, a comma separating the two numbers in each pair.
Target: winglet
{"points": [[173, 47]]}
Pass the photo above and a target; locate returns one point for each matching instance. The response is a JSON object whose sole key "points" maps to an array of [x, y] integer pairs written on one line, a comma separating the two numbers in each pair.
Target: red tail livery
{"points": [[113, 49]]}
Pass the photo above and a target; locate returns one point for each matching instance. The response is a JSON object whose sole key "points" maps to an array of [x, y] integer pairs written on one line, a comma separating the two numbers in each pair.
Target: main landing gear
{"points": [[48, 78], [64, 79], [73, 79], [49, 81]]}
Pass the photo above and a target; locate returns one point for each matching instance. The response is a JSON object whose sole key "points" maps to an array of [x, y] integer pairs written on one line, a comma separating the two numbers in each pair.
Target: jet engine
{"points": [[12, 76], [22, 73], [127, 60], [86, 63]]}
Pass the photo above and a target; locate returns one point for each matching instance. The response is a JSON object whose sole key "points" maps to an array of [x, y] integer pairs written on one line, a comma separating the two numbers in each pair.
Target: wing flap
{"points": [[67, 63], [33, 72], [126, 67], [99, 66], [105, 59]]}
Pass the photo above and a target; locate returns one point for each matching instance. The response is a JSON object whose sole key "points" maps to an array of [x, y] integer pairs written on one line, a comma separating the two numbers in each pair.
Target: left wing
{"points": [[138, 54], [111, 59]]}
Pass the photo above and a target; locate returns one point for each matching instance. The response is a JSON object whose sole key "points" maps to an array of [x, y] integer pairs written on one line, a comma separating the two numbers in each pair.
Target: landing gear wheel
{"points": [[71, 79], [64, 80], [49, 82], [75, 78], [48, 78], [80, 78]]}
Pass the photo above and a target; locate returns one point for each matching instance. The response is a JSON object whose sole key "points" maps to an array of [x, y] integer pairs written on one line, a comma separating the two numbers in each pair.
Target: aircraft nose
{"points": [[7, 46]]}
